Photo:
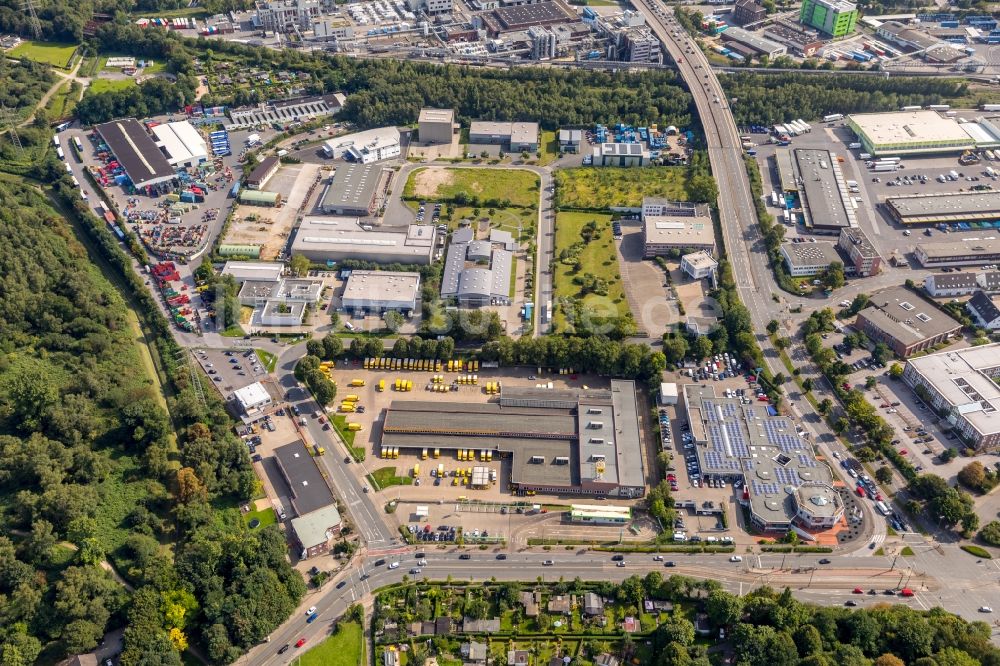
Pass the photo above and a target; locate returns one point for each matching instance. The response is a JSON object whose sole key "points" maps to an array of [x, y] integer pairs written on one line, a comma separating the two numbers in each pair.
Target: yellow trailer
{"points": [[354, 427], [357, 382]]}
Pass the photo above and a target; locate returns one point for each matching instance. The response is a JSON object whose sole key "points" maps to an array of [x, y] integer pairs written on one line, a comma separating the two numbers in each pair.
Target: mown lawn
{"points": [[108, 85], [267, 359], [518, 187], [344, 648], [52, 53], [385, 477], [601, 187], [596, 258], [265, 516], [62, 104]]}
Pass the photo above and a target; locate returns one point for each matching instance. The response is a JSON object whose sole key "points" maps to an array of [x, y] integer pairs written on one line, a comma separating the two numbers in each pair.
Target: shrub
{"points": [[977, 551]]}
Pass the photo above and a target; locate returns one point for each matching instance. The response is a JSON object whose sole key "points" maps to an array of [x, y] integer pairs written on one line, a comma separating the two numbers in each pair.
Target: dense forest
{"points": [[22, 84], [385, 92], [778, 98], [91, 472]]}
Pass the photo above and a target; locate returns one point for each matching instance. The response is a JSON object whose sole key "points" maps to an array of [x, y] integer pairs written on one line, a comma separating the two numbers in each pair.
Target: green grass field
{"points": [[518, 187], [386, 476], [52, 53], [267, 359], [344, 648], [108, 85], [601, 187], [596, 258], [61, 104]]}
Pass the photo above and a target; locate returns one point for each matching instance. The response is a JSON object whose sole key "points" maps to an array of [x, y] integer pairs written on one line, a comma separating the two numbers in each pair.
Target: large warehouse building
{"points": [[784, 486], [586, 442], [914, 133], [324, 239], [962, 252], [378, 291], [961, 382], [821, 189], [516, 136], [356, 189], [181, 143], [476, 272], [140, 157], [957, 208], [836, 18]]}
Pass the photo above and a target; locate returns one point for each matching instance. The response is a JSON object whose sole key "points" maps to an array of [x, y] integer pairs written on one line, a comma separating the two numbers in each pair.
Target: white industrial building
{"points": [[252, 401], [380, 291], [699, 265], [287, 15], [257, 271], [181, 143], [949, 285], [806, 259], [620, 155], [668, 393], [365, 147], [430, 7], [331, 239]]}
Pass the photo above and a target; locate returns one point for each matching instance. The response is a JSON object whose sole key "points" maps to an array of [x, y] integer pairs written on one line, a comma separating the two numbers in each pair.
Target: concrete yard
{"points": [[271, 227]]}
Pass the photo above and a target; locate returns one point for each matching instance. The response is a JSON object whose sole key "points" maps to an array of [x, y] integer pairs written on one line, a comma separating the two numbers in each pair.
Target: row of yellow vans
{"points": [[385, 363], [467, 379], [492, 388], [437, 454], [349, 403], [469, 454], [389, 452], [404, 385], [425, 365]]}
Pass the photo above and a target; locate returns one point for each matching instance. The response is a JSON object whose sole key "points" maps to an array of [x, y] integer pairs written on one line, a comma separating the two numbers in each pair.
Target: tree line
{"points": [[781, 97], [222, 586]]}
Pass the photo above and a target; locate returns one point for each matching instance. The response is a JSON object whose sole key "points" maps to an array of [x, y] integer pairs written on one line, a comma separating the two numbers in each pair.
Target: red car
{"points": [[671, 477], [847, 387], [903, 452], [300, 642], [857, 590]]}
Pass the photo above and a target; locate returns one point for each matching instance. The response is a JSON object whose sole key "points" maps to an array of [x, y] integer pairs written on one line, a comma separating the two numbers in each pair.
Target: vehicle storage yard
{"points": [[915, 174]]}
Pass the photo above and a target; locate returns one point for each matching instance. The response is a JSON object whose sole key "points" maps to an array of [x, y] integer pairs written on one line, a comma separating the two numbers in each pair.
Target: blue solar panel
{"points": [[807, 461]]}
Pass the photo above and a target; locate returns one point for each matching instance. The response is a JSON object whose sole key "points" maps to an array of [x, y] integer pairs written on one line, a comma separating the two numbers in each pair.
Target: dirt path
{"points": [[62, 79]]}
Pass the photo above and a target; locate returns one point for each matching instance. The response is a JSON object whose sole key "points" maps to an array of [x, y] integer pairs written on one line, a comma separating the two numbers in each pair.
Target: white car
{"points": [[422, 563], [985, 609], [736, 558], [311, 611], [393, 565]]}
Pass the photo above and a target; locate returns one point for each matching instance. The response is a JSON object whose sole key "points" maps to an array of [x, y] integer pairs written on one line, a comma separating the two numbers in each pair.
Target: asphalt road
{"points": [[347, 486], [828, 584]]}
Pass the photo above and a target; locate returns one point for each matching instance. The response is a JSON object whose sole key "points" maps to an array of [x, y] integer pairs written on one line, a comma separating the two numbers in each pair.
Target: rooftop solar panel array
{"points": [[774, 432], [763, 487], [807, 461], [786, 477]]}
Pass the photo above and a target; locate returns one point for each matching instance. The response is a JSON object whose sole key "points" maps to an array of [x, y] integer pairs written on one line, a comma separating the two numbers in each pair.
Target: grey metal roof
{"points": [[820, 253], [475, 282], [353, 187], [309, 489], [958, 206], [136, 151], [818, 184]]}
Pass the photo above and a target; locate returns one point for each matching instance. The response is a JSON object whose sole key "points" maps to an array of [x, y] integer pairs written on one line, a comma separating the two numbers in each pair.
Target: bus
{"points": [[882, 508], [788, 216], [774, 199]]}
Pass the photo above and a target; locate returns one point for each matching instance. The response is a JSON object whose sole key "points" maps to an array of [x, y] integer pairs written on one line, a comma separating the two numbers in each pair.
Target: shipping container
{"points": [[990, 107]]}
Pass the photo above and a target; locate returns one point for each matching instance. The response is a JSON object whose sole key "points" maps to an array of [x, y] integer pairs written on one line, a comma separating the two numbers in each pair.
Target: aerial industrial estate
{"points": [[479, 344]]}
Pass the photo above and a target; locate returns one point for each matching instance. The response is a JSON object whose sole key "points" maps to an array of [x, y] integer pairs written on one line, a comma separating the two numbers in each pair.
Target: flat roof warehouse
{"points": [[932, 208], [820, 189], [585, 442], [135, 150]]}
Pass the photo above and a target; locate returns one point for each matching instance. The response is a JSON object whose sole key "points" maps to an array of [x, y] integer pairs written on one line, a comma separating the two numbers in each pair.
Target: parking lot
{"points": [[232, 369], [917, 175]]}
